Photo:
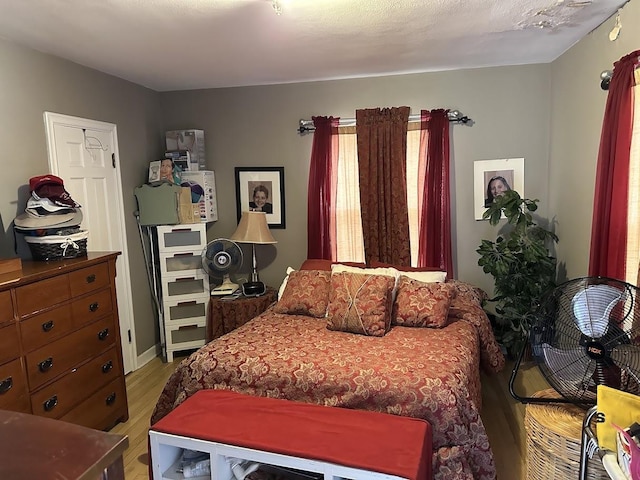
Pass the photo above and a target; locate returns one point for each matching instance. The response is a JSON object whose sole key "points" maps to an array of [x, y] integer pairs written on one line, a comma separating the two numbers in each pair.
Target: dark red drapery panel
{"points": [[382, 164], [434, 249], [609, 226], [321, 187]]}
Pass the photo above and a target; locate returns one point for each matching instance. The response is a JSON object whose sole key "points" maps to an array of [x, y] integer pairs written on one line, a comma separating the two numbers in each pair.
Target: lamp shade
{"points": [[253, 228]]}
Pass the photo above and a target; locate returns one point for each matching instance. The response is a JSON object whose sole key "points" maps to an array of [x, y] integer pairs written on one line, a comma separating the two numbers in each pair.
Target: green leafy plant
{"points": [[521, 264]]}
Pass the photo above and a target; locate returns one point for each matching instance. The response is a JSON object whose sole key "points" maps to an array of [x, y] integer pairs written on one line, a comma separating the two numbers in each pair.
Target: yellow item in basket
{"points": [[618, 407]]}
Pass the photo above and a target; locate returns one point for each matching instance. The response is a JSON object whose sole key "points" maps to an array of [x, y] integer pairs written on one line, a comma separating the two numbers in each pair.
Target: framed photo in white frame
{"points": [[491, 177]]}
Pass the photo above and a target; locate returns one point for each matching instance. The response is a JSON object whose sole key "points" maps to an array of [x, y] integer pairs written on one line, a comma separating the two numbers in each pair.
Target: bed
{"points": [[415, 351]]}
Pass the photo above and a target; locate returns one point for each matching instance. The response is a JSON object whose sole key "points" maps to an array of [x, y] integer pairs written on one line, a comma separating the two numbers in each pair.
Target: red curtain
{"points": [[609, 226], [382, 161], [434, 249], [322, 178]]}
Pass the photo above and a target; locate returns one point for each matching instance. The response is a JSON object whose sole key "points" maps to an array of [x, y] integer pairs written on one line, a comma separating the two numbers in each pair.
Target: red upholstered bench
{"points": [[340, 442]]}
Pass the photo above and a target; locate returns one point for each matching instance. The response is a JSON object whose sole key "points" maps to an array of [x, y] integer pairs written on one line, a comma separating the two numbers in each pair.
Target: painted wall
{"points": [[577, 109], [32, 83], [256, 126], [549, 114]]}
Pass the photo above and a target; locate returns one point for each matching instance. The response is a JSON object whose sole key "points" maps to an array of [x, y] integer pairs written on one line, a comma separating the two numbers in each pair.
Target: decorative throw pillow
{"points": [[306, 293], [420, 304], [468, 299], [387, 271], [360, 303]]}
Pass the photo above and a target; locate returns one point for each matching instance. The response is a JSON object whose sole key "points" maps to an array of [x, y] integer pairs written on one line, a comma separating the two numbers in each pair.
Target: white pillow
{"points": [[427, 277], [388, 271], [284, 282]]}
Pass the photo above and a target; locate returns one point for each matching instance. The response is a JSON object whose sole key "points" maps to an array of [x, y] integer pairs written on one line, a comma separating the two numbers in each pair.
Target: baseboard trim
{"points": [[149, 355]]}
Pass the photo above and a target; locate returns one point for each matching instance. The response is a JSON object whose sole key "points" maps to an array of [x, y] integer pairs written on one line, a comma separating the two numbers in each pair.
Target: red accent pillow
{"points": [[420, 304], [322, 264], [360, 303], [306, 293]]}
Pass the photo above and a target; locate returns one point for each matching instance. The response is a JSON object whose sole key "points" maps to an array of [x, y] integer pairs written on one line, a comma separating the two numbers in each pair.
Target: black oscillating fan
{"points": [[586, 333], [220, 259]]}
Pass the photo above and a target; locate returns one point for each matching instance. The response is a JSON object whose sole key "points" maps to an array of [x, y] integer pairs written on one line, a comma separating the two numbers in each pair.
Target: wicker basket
{"points": [[58, 247], [554, 433]]}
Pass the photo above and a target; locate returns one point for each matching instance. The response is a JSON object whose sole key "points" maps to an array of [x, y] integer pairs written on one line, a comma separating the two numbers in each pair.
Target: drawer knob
{"points": [[45, 365], [50, 403], [6, 384], [102, 334], [111, 399], [47, 326], [94, 306], [107, 367], [91, 278]]}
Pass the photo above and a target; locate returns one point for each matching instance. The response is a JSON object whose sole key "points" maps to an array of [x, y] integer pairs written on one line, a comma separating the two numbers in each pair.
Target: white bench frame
{"points": [[166, 451]]}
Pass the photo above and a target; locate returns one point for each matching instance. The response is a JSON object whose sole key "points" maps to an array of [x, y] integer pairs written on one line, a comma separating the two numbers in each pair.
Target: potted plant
{"points": [[521, 264]]}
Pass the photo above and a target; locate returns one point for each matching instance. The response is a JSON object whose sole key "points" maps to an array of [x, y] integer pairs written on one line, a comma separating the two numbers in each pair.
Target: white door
{"points": [[84, 153]]}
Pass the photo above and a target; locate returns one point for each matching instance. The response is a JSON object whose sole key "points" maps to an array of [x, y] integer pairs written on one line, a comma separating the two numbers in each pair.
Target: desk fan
{"points": [[586, 333], [220, 259]]}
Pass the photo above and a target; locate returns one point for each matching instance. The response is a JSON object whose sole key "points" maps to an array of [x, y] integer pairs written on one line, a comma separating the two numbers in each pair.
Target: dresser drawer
{"points": [[186, 312], [186, 337], [6, 307], [172, 238], [62, 395], [39, 295], [13, 387], [185, 286], [89, 279], [50, 361], [179, 263], [9, 343], [102, 409], [91, 307], [45, 327]]}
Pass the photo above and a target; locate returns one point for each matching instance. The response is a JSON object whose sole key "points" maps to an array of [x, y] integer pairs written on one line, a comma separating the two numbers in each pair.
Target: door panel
{"points": [[84, 153]]}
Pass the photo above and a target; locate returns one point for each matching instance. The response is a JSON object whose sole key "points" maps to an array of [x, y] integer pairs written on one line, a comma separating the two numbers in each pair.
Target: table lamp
{"points": [[253, 229]]}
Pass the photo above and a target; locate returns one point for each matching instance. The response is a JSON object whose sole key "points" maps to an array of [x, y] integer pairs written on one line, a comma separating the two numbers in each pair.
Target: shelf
{"points": [[172, 473], [167, 448]]}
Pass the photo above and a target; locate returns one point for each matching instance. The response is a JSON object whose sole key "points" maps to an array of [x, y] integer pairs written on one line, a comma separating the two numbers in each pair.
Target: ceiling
{"points": [[189, 44]]}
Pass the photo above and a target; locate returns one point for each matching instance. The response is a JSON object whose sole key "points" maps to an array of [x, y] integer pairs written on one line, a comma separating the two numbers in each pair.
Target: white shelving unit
{"points": [[184, 286], [166, 452]]}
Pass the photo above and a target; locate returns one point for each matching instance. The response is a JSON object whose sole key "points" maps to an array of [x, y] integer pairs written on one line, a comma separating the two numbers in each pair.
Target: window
{"points": [[349, 241], [632, 268]]}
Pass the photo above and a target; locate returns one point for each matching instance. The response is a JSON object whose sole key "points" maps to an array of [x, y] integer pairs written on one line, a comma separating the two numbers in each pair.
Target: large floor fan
{"points": [[220, 259], [586, 333]]}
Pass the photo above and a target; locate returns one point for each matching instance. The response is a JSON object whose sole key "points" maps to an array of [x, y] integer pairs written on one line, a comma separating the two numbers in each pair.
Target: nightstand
{"points": [[224, 316]]}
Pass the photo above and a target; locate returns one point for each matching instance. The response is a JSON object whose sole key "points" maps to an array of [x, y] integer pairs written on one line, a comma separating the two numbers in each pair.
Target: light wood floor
{"points": [[501, 414]]}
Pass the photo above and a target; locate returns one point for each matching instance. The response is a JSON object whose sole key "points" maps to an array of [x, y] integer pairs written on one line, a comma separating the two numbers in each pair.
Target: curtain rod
{"points": [[455, 116]]}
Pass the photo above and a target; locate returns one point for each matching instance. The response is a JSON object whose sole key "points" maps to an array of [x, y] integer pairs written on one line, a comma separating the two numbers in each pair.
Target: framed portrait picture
{"points": [[261, 189], [492, 177]]}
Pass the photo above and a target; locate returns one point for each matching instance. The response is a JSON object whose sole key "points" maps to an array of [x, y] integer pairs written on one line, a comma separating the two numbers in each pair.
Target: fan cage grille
{"points": [[586, 333], [222, 247]]}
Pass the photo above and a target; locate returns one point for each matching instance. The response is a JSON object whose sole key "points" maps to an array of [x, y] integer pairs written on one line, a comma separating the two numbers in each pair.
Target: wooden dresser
{"points": [[60, 350]]}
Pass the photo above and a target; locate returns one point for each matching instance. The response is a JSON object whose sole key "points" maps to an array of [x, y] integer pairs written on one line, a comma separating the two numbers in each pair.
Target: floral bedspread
{"points": [[433, 374]]}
